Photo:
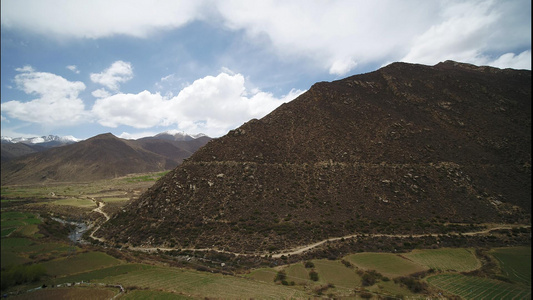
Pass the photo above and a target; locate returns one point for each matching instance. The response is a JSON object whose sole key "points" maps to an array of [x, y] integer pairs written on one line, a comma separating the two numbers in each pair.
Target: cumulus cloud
{"points": [[335, 36], [97, 18], [510, 60], [100, 93], [211, 105], [467, 31], [57, 102], [118, 72]]}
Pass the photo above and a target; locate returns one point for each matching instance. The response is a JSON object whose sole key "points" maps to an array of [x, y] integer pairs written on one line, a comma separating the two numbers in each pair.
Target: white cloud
{"points": [[467, 31], [100, 93], [73, 68], [510, 60], [57, 103], [97, 18], [210, 105], [335, 36], [118, 72]]}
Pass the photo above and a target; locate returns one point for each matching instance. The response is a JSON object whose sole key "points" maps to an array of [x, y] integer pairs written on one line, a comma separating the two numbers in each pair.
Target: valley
{"points": [[93, 266], [409, 182]]}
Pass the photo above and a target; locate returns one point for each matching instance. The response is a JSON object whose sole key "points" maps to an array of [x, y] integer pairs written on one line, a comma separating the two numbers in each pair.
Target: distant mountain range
{"points": [[55, 158], [405, 149]]}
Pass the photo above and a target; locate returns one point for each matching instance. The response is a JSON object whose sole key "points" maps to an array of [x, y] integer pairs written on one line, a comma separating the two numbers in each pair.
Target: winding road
{"points": [[302, 249], [98, 209]]}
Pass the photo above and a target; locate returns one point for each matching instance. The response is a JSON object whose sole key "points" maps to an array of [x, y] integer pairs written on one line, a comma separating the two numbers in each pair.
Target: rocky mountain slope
{"points": [[103, 156], [407, 148]]}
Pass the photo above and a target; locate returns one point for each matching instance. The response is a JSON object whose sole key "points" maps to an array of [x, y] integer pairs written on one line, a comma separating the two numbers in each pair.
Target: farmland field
{"points": [[515, 263], [88, 293], [388, 264], [203, 284], [444, 259], [469, 287], [79, 263], [148, 295]]}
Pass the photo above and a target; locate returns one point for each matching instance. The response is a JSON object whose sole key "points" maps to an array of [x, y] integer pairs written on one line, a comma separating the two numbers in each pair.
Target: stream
{"points": [[77, 232]]}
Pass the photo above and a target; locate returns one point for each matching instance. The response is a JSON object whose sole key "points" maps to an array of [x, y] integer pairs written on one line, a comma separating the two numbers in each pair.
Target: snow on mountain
{"points": [[177, 135], [41, 140]]}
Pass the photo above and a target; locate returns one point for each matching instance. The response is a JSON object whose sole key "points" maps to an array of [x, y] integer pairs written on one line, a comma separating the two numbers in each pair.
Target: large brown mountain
{"points": [[407, 148], [101, 157]]}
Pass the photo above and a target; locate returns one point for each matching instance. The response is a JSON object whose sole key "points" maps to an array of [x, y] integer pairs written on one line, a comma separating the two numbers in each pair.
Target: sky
{"points": [[137, 67]]}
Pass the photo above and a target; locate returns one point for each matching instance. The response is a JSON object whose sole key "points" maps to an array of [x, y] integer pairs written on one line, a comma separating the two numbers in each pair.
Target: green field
{"points": [[149, 295], [263, 274], [202, 284], [297, 273], [469, 287], [446, 259], [333, 271], [23, 223], [83, 203], [79, 263], [115, 199], [69, 293], [515, 263], [388, 264]]}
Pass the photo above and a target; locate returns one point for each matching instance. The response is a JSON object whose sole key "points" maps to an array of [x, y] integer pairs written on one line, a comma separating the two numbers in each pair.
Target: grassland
{"points": [[24, 242]]}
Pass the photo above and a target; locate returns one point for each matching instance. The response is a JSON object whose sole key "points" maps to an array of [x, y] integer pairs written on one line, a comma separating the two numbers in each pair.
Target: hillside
{"points": [[103, 156], [407, 148]]}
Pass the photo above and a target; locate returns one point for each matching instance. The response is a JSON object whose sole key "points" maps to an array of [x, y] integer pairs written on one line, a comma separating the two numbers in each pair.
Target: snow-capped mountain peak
{"points": [[42, 139]]}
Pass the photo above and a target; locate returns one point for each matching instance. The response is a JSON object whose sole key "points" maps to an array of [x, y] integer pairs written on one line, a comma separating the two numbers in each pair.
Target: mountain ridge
{"points": [[407, 148], [100, 157]]}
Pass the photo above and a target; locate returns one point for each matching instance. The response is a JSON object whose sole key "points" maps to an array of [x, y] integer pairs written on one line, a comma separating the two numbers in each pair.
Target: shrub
{"points": [[313, 275], [280, 276], [309, 264]]}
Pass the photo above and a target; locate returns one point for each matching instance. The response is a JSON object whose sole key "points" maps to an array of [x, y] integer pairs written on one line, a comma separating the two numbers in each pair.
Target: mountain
{"points": [[178, 136], [44, 140], [100, 157], [405, 149], [15, 147]]}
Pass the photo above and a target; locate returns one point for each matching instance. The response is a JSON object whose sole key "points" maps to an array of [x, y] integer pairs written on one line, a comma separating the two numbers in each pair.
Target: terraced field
{"points": [[469, 287]]}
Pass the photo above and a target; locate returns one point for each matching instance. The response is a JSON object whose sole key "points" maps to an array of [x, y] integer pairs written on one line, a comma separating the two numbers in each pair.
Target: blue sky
{"points": [[137, 68]]}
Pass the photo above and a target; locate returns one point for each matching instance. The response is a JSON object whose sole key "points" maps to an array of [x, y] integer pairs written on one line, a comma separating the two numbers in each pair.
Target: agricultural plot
{"points": [[24, 223], [469, 287], [203, 284], [98, 274], [388, 264], [115, 199], [82, 262], [149, 295], [82, 203], [69, 293], [515, 263], [263, 274], [297, 273], [22, 250], [334, 272], [446, 259]]}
